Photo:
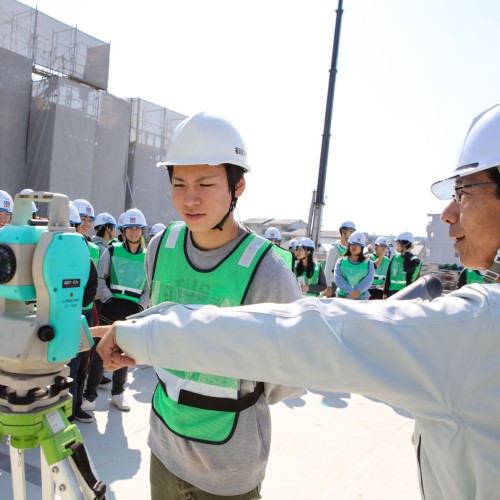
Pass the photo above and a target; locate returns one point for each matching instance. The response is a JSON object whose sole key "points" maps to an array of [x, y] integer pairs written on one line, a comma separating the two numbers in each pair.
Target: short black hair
{"points": [[234, 174], [494, 175]]}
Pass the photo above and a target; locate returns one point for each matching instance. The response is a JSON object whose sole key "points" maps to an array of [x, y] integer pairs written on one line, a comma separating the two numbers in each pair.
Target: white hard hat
{"points": [[348, 225], [85, 209], [133, 218], [294, 243], [357, 238], [382, 240], [307, 242], [34, 208], [74, 216], [206, 139], [405, 236], [272, 233], [156, 228], [104, 218], [120, 219], [6, 202], [480, 151]]}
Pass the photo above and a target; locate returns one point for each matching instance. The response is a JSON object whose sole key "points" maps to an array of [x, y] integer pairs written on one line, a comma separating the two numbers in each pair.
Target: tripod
{"points": [[66, 467]]}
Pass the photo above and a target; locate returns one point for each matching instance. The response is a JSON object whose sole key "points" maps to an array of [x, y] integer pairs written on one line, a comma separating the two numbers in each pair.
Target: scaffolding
{"points": [[54, 48]]}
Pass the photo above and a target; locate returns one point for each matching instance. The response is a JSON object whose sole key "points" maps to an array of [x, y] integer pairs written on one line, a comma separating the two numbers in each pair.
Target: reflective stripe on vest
{"points": [[353, 273], [224, 285], [128, 275]]}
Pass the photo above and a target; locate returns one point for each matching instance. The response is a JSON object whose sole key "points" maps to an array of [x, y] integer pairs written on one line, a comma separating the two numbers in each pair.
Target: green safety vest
{"points": [[353, 273], [380, 271], [286, 255], [128, 275], [313, 280], [199, 406], [472, 277], [341, 249], [398, 275], [94, 255]]}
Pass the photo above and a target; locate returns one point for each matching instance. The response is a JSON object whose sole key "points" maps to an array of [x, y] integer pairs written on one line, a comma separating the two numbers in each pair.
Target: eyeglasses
{"points": [[461, 190]]}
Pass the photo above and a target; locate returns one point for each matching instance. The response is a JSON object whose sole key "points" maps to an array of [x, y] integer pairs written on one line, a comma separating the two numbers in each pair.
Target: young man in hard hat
{"points": [[404, 267], [209, 435], [6, 207], [105, 227], [439, 360], [337, 251], [122, 290]]}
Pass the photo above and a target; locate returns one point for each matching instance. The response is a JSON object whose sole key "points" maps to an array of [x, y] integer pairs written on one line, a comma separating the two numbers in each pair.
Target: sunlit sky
{"points": [[411, 76]]}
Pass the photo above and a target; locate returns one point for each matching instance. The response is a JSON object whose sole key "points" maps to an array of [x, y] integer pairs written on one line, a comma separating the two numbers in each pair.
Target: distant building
{"points": [[439, 246], [289, 228]]}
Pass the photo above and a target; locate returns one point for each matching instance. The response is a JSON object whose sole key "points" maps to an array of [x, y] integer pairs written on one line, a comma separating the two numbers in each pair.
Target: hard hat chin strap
{"points": [[493, 273], [220, 225]]}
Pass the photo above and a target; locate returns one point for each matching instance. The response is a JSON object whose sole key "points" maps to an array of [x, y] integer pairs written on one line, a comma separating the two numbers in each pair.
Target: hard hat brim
{"points": [[445, 189], [197, 161]]}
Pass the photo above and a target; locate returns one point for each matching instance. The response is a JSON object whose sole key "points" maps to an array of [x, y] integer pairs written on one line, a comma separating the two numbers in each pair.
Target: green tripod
{"points": [[66, 468]]}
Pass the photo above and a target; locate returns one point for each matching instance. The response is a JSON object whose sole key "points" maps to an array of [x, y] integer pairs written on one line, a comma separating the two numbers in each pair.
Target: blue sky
{"points": [[411, 76]]}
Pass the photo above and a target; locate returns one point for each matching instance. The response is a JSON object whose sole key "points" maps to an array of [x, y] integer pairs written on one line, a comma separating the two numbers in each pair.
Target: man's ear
{"points": [[240, 187]]}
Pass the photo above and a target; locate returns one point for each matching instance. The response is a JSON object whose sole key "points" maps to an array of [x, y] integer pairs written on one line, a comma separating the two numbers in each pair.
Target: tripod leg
{"points": [[18, 473], [47, 483], [66, 482]]}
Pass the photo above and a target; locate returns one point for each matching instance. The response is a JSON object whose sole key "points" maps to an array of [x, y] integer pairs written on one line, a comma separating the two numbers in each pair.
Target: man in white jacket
{"points": [[439, 360]]}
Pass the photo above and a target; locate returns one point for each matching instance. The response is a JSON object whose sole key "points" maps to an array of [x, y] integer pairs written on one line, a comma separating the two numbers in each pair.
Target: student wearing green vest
{"points": [[274, 236], [209, 435], [381, 263], [354, 271], [122, 290], [310, 274], [105, 227], [79, 365], [337, 250], [404, 267]]}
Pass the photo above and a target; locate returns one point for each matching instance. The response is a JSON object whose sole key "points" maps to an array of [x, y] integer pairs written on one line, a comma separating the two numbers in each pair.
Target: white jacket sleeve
{"points": [[402, 352]]}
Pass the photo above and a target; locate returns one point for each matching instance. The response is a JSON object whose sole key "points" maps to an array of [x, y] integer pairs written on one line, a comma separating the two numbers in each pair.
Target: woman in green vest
{"points": [[354, 272], [309, 273]]}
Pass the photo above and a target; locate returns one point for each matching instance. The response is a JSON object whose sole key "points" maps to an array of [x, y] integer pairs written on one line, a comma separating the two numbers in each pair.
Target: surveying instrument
{"points": [[44, 268]]}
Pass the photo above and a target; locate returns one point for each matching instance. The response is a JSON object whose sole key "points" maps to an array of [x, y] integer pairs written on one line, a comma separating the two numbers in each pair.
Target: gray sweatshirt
{"points": [[237, 466]]}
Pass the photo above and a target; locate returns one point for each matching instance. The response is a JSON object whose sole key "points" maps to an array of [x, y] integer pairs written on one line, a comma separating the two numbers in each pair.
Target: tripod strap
{"points": [[81, 460]]}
